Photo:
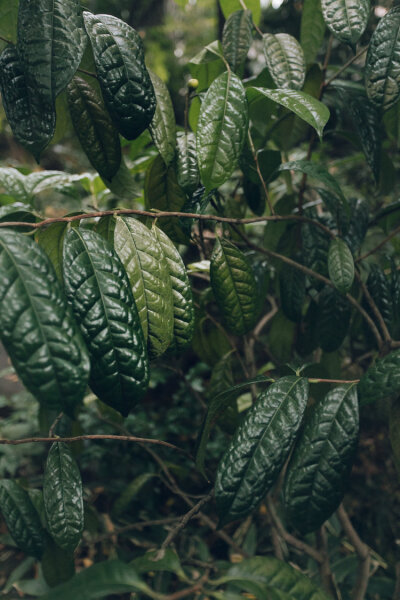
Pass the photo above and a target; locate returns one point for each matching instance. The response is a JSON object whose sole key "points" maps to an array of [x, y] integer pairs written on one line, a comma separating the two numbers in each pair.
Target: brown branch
{"points": [[191, 591], [363, 552], [325, 568], [165, 214], [79, 438], [55, 423], [88, 73], [379, 246], [288, 537], [344, 67], [3, 39]]}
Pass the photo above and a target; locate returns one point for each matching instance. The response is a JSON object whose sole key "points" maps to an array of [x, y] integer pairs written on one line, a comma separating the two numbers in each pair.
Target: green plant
{"points": [[203, 254]]}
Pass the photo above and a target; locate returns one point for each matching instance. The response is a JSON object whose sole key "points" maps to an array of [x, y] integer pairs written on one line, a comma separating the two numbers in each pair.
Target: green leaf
{"points": [[312, 30], [31, 117], [21, 518], [358, 225], [315, 246], [321, 462], [316, 171], [274, 576], [94, 128], [8, 20], [285, 60], [381, 380], [380, 290], [151, 562], [51, 239], [100, 295], [51, 43], [206, 66], [162, 126], [217, 407], [230, 6], [102, 580], [187, 170], [234, 287], [303, 105], [123, 502], [57, 564], [210, 342], [237, 37], [340, 265], [148, 275], [63, 497], [259, 448], [36, 327], [181, 292], [124, 80], [346, 19], [222, 130], [333, 319], [382, 72], [292, 291], [162, 192]]}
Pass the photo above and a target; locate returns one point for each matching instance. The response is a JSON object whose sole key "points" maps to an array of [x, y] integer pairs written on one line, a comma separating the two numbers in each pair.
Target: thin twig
{"points": [[55, 423], [363, 552], [325, 567], [88, 73], [379, 246], [386, 335], [3, 39], [191, 591], [344, 67], [261, 178]]}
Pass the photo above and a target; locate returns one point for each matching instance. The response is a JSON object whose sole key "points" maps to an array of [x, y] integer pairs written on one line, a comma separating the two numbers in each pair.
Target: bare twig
{"points": [[345, 66], [191, 591], [55, 423], [363, 552], [88, 73], [379, 246], [325, 568]]}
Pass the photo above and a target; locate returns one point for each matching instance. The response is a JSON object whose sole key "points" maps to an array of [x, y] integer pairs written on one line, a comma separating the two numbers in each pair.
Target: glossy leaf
{"points": [[312, 30], [162, 192], [273, 576], [31, 118], [333, 319], [100, 296], [379, 288], [317, 171], [205, 67], [340, 265], [101, 580], [148, 275], [187, 170], [285, 60], [63, 497], [259, 448], [381, 380], [311, 110], [94, 128], [222, 130], [234, 287], [382, 70], [36, 327], [320, 465], [21, 518], [346, 19], [51, 239], [358, 225], [292, 291], [237, 37], [162, 126], [230, 6], [181, 292], [51, 43], [124, 80], [218, 405]]}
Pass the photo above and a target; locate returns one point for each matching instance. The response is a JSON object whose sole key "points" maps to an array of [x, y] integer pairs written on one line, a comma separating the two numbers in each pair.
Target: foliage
{"points": [[199, 322]]}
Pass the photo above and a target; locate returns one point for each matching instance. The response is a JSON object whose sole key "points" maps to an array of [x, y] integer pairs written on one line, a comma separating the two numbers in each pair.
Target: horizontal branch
{"points": [[79, 438], [166, 214]]}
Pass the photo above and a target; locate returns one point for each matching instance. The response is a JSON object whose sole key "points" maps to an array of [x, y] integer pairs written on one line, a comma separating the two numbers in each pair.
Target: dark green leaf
{"points": [[234, 287], [100, 581], [312, 29], [222, 130], [130, 492], [151, 562], [259, 448], [340, 265], [358, 226], [63, 497], [162, 126], [100, 295], [51, 239], [51, 43], [381, 380], [379, 288], [237, 37], [303, 105], [285, 60], [57, 564], [181, 292], [31, 117], [21, 518], [125, 82], [292, 291], [163, 192], [187, 170], [219, 404], [317, 171], [148, 275], [320, 465], [36, 326], [230, 6], [382, 72], [346, 19], [315, 250], [94, 128], [210, 342], [333, 319]]}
